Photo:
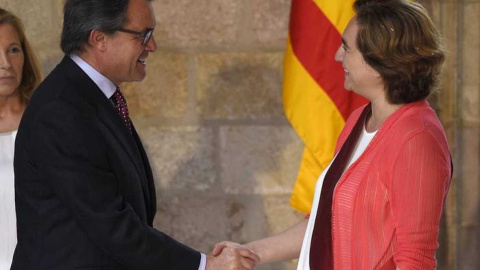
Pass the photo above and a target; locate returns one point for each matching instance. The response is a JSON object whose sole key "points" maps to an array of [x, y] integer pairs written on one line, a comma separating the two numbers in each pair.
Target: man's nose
{"points": [[151, 45]]}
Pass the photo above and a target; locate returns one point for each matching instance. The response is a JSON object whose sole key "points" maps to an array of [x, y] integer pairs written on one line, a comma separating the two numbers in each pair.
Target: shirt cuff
{"points": [[203, 262]]}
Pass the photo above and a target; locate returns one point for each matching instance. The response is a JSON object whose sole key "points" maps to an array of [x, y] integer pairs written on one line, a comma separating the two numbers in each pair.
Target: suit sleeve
{"points": [[420, 182], [71, 156]]}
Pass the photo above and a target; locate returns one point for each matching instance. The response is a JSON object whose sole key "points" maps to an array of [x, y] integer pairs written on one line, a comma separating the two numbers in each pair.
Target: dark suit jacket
{"points": [[84, 190]]}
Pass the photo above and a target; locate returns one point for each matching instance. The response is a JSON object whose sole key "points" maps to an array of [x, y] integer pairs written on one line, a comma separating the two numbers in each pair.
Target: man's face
{"points": [[126, 56]]}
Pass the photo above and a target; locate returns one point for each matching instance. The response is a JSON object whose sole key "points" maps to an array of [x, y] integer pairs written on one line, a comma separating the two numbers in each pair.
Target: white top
{"points": [[8, 221], [304, 259], [108, 88]]}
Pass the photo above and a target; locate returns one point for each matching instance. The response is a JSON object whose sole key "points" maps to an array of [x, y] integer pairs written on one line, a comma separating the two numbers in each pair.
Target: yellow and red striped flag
{"points": [[314, 98]]}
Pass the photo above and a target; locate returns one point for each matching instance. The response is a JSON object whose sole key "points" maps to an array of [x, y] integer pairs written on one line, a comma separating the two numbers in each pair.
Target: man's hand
{"points": [[231, 256]]}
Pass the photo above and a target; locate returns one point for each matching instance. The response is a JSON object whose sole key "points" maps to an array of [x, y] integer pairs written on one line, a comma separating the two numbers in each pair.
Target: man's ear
{"points": [[98, 40]]}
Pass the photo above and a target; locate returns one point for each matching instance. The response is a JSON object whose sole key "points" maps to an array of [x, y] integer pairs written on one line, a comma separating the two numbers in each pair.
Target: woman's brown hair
{"points": [[32, 75], [398, 39]]}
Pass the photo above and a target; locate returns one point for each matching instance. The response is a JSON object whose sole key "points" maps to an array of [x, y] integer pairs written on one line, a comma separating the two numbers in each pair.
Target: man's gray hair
{"points": [[83, 16]]}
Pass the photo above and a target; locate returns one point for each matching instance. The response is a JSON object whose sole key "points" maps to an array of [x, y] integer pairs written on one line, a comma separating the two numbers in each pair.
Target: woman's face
{"points": [[359, 76], [11, 60]]}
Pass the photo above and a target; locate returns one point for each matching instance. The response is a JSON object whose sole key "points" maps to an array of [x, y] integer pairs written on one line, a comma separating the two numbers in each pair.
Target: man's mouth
{"points": [[142, 61]]}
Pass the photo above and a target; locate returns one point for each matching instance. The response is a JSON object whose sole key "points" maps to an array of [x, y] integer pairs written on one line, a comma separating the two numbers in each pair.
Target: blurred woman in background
{"points": [[19, 75]]}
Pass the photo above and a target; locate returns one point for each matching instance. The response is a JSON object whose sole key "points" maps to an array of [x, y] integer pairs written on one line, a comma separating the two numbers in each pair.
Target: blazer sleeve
{"points": [[420, 180], [71, 156]]}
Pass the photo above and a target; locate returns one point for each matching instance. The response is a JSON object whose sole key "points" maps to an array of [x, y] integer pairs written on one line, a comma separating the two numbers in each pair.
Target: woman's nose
{"points": [[4, 61], [339, 54]]}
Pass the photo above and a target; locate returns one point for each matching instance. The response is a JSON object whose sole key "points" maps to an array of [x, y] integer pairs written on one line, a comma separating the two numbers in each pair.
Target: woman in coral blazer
{"points": [[383, 209]]}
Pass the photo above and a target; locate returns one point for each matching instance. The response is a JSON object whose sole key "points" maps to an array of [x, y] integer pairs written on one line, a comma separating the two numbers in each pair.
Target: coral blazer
{"points": [[387, 205]]}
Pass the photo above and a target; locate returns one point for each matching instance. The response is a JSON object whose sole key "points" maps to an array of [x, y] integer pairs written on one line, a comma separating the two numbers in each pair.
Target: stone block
{"points": [[163, 93], [260, 216], [265, 216], [471, 58], [197, 219], [469, 202], [468, 247], [444, 248], [429, 6], [259, 160], [279, 214], [446, 253], [241, 85], [49, 59], [445, 15], [190, 24], [42, 22], [201, 220], [450, 130], [181, 157], [270, 22], [450, 207]]}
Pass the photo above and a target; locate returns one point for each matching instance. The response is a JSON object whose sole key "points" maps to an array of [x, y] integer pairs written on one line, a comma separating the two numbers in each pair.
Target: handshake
{"points": [[231, 256]]}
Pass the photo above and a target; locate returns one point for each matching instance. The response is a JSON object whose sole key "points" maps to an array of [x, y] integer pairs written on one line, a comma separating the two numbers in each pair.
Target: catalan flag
{"points": [[314, 98]]}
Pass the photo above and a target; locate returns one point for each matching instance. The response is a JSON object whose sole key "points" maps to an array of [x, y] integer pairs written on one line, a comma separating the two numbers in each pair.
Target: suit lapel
{"points": [[107, 114], [111, 120], [150, 192]]}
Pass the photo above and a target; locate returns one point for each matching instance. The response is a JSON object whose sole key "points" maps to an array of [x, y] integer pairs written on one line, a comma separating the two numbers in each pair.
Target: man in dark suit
{"points": [[85, 197]]}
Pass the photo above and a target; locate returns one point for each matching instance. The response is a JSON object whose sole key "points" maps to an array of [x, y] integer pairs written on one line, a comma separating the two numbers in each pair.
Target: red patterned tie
{"points": [[121, 105], [321, 248]]}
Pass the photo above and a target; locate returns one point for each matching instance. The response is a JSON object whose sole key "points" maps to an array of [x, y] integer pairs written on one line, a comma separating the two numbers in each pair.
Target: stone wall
{"points": [[210, 114]]}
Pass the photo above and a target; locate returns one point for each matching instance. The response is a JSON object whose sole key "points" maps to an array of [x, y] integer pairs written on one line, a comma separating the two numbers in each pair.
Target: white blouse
{"points": [[304, 259], [8, 224]]}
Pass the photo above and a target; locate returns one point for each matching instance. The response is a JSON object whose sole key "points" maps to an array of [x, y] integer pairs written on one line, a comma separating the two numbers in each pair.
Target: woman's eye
{"points": [[15, 50]]}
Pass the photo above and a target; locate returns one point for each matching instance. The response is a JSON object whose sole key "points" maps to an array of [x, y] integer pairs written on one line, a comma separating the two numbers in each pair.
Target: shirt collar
{"points": [[107, 86]]}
